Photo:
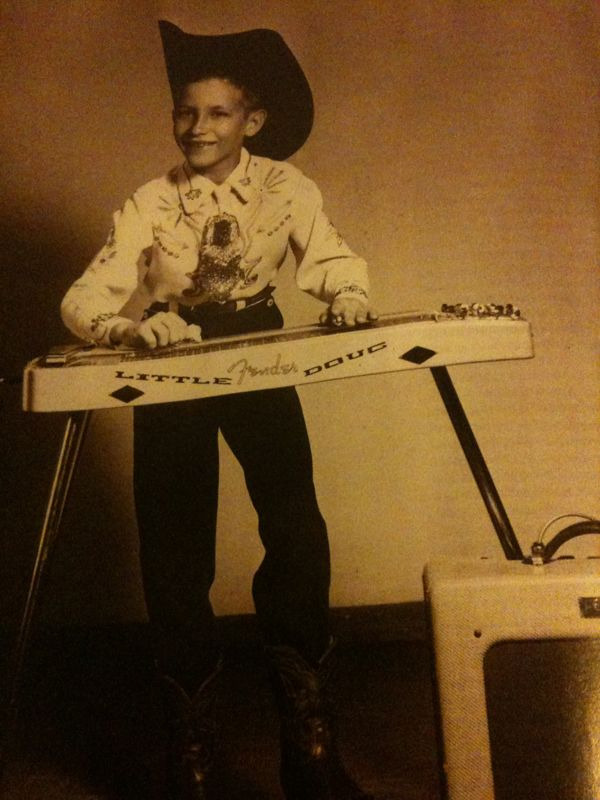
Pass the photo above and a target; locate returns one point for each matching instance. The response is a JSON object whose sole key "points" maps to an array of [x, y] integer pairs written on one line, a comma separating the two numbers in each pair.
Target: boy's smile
{"points": [[210, 123]]}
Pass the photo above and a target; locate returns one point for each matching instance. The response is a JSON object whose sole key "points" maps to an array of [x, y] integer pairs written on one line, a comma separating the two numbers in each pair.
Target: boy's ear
{"points": [[254, 122]]}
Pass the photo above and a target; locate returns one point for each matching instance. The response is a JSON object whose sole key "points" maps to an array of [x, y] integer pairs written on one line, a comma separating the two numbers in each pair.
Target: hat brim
{"points": [[258, 60]]}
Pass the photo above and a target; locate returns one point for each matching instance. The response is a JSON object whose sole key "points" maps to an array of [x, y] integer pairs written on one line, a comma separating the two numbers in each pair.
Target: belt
{"points": [[231, 306]]}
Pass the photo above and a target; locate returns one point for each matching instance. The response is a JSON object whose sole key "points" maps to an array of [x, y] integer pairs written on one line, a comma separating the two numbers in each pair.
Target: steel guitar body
{"points": [[89, 377]]}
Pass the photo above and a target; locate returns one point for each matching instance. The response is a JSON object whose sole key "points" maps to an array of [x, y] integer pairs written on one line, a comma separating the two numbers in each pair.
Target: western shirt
{"points": [[183, 239]]}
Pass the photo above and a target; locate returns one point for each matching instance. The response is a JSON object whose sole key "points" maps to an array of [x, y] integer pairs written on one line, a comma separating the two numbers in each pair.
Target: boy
{"points": [[199, 249]]}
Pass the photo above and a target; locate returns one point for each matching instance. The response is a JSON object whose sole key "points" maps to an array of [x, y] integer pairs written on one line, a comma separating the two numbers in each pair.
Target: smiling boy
{"points": [[200, 248], [210, 123]]}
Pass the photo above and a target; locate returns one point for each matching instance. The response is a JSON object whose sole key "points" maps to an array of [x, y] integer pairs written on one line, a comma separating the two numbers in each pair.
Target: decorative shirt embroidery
{"points": [[219, 260], [99, 319], [350, 289], [334, 232]]}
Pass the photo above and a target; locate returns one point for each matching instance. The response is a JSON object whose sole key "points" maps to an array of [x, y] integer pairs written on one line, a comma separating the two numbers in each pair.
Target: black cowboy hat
{"points": [[258, 60]]}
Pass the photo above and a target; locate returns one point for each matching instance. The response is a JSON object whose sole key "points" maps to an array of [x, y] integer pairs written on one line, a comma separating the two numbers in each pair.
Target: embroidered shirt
{"points": [[183, 239]]}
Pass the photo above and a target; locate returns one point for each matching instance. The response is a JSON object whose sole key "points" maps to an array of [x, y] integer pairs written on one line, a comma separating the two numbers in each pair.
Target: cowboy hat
{"points": [[258, 60]]}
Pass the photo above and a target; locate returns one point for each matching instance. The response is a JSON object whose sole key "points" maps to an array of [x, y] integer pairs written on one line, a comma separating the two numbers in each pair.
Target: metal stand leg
{"points": [[483, 479], [65, 469]]}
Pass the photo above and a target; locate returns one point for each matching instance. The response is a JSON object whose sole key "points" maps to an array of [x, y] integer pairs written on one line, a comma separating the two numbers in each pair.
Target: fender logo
{"points": [[247, 370]]}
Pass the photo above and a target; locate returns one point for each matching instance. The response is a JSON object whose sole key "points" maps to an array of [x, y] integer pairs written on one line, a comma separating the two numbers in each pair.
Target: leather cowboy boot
{"points": [[192, 733], [311, 768]]}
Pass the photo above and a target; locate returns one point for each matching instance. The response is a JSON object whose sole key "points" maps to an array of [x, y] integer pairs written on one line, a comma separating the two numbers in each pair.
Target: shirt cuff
{"points": [[351, 290], [102, 327]]}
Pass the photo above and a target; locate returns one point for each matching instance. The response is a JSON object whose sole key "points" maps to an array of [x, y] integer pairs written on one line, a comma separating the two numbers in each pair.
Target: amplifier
{"points": [[517, 667]]}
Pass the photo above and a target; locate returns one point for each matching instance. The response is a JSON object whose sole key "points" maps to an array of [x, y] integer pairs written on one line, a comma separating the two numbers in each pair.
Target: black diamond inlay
{"points": [[418, 355], [126, 394]]}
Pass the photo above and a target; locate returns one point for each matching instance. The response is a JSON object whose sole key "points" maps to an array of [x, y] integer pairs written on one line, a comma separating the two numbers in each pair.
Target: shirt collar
{"points": [[195, 190]]}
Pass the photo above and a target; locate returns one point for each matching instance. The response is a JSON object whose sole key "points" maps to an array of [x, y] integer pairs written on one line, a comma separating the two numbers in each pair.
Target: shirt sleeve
{"points": [[91, 306], [326, 266]]}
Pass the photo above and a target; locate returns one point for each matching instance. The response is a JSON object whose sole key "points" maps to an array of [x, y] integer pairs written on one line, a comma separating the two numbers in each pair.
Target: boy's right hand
{"points": [[160, 330]]}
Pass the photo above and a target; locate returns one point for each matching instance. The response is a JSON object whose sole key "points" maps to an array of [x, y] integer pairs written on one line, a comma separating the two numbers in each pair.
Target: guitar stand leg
{"points": [[72, 441], [483, 479]]}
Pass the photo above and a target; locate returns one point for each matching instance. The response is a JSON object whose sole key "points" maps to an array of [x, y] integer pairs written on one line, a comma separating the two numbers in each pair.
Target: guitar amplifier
{"points": [[517, 667]]}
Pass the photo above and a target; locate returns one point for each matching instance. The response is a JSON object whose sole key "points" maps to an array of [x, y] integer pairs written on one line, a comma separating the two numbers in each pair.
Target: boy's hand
{"points": [[348, 311], [160, 330]]}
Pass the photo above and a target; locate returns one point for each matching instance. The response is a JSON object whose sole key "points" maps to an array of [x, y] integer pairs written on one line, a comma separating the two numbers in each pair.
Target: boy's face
{"points": [[210, 122]]}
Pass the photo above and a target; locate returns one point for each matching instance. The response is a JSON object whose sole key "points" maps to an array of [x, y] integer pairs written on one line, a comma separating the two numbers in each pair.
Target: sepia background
{"points": [[456, 146]]}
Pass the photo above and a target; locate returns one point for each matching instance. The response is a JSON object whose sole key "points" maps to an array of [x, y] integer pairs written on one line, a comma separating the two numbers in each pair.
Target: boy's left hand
{"points": [[348, 311]]}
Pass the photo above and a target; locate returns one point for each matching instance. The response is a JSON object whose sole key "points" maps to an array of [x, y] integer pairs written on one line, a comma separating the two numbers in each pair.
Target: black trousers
{"points": [[176, 478]]}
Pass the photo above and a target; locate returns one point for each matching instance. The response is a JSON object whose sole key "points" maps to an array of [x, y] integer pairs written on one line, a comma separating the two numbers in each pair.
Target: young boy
{"points": [[199, 248]]}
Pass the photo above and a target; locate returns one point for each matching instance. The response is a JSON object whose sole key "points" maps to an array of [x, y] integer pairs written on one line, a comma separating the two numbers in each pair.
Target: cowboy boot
{"points": [[192, 733], [310, 768]]}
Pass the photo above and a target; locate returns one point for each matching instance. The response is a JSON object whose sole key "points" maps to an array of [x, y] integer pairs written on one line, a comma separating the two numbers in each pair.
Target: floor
{"points": [[89, 726]]}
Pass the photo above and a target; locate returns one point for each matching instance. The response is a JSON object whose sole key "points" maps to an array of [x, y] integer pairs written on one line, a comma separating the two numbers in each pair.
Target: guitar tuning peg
{"points": [[481, 310]]}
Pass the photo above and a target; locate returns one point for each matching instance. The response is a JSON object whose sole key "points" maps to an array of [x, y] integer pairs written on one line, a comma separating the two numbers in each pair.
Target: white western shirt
{"points": [[183, 239]]}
